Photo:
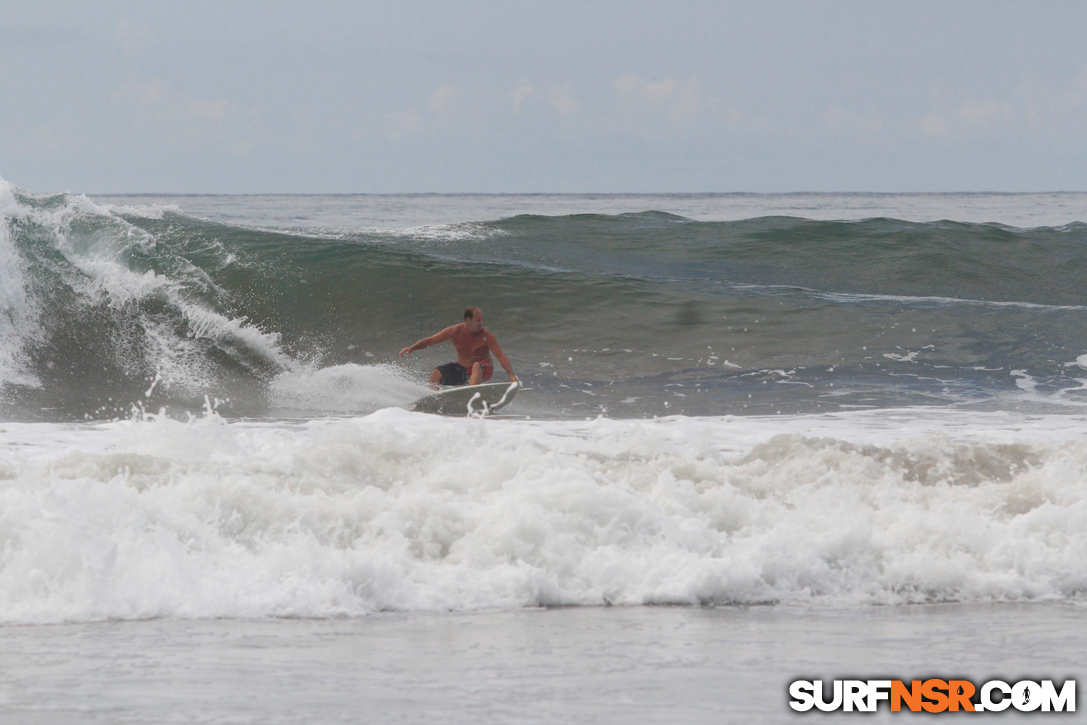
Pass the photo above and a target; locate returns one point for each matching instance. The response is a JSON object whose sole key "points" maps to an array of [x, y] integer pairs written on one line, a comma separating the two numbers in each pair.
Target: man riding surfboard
{"points": [[474, 346]]}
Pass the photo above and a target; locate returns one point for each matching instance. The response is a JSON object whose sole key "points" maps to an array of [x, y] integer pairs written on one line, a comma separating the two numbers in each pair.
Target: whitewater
{"points": [[402, 512], [762, 437]]}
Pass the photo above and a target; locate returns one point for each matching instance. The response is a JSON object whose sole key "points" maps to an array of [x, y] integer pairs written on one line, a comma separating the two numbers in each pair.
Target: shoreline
{"points": [[571, 664]]}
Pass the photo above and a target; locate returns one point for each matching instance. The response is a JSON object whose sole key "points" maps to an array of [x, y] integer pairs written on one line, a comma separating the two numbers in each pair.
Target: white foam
{"points": [[440, 233], [1024, 381], [142, 211], [346, 388], [912, 300], [431, 234], [19, 316], [1080, 361], [402, 511]]}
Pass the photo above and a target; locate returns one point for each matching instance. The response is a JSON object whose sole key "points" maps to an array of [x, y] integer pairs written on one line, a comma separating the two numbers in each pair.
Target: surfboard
{"points": [[467, 399]]}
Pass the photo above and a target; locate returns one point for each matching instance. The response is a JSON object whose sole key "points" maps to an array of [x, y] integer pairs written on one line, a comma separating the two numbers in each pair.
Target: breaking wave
{"points": [[630, 315], [405, 512]]}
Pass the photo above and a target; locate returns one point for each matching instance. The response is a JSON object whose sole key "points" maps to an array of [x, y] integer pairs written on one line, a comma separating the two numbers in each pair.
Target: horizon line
{"points": [[571, 193]]}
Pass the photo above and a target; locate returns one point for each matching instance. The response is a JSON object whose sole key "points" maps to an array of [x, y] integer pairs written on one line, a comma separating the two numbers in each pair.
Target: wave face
{"points": [[633, 315]]}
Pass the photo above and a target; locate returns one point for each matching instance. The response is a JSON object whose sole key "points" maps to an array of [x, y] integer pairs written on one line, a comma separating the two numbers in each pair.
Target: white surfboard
{"points": [[467, 399]]}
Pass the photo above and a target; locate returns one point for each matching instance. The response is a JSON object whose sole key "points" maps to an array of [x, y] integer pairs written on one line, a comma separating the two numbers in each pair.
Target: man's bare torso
{"points": [[471, 347]]}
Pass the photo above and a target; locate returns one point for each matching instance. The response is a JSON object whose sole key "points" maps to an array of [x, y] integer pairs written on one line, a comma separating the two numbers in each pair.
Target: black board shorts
{"points": [[454, 374]]}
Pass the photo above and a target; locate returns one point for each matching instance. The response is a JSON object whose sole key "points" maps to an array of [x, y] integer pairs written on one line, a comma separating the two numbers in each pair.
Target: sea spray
{"points": [[348, 388], [20, 326]]}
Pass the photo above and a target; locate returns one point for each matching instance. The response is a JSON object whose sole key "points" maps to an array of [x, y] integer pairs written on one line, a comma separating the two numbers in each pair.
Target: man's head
{"points": [[473, 318]]}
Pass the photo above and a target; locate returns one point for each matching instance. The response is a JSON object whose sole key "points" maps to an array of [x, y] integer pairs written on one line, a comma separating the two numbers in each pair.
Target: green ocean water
{"points": [[632, 314]]}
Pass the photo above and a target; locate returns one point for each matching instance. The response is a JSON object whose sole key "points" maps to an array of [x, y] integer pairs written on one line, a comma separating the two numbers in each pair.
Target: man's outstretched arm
{"points": [[442, 336]]}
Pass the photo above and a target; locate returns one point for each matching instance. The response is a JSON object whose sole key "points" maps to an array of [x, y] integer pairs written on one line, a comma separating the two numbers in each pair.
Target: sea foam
{"points": [[348, 388], [19, 316], [407, 512]]}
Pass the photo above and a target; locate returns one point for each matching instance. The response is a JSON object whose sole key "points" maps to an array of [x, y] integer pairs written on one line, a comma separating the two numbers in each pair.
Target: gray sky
{"points": [[472, 96]]}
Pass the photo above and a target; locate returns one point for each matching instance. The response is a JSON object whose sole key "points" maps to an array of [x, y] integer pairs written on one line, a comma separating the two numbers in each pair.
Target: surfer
{"points": [[474, 346]]}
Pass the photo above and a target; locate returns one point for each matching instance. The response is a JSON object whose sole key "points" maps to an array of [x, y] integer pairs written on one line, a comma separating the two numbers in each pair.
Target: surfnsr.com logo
{"points": [[933, 695]]}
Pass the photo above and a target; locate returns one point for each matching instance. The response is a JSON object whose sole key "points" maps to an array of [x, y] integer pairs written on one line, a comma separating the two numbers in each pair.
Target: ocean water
{"points": [[761, 437]]}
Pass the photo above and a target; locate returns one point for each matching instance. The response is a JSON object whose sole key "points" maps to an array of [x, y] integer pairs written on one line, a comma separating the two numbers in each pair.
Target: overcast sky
{"points": [[473, 96]]}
